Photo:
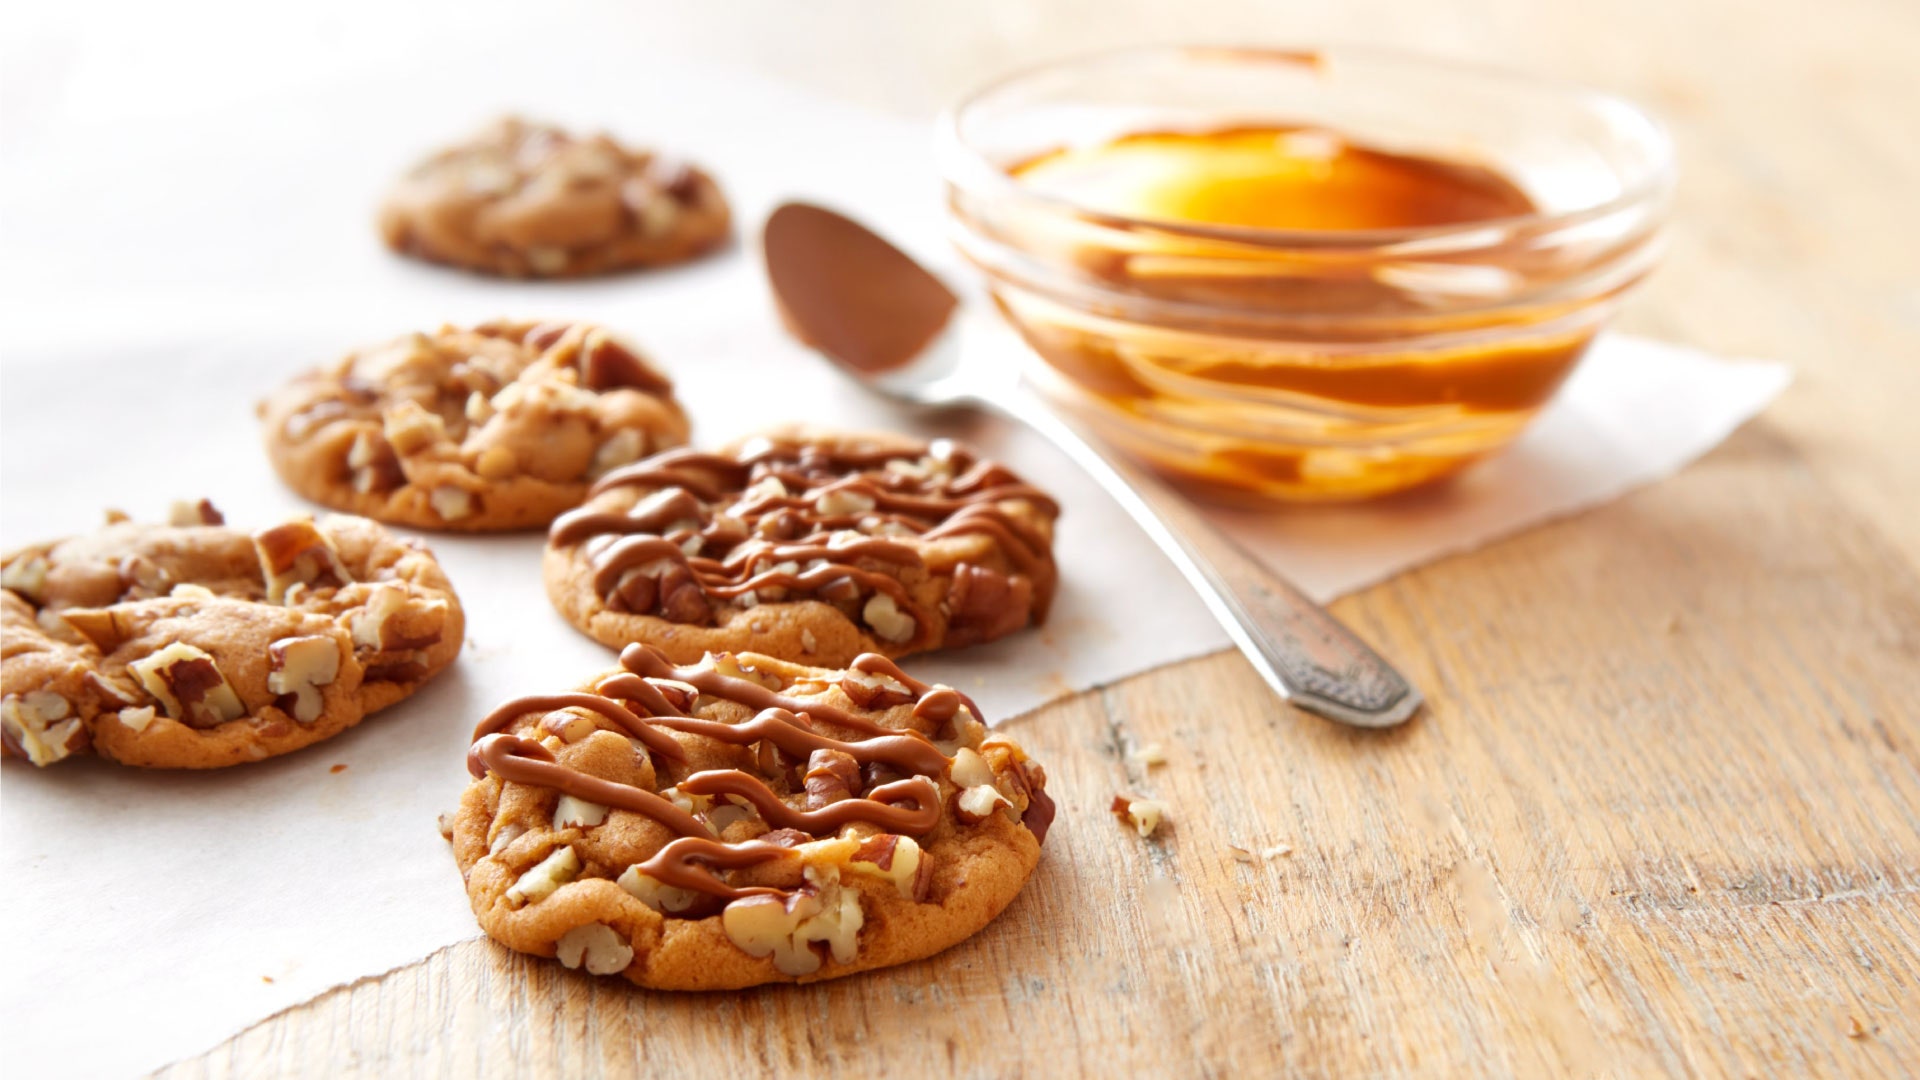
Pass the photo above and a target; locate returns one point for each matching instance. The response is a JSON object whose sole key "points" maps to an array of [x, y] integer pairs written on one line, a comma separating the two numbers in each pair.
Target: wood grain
{"points": [[1663, 812]]}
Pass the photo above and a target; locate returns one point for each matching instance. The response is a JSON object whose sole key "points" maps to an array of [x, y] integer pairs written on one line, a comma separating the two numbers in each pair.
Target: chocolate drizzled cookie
{"points": [[744, 820], [807, 545]]}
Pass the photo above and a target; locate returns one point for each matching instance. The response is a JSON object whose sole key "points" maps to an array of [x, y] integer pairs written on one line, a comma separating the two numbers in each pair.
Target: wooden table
{"points": [[1663, 814]]}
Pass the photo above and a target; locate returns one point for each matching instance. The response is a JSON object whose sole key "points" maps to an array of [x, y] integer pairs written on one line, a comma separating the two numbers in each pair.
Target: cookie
{"points": [[498, 427], [807, 545], [744, 820], [194, 646], [530, 200]]}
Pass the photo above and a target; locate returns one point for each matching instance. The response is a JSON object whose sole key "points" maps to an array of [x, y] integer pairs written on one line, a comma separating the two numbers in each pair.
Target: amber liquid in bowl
{"points": [[1271, 178], [1286, 372]]}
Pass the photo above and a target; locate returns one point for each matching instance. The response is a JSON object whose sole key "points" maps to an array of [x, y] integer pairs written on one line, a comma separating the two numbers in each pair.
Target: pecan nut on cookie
{"points": [[530, 200], [498, 427], [744, 820], [193, 645], [806, 545]]}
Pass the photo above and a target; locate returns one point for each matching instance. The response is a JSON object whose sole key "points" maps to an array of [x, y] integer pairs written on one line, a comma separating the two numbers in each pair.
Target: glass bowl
{"points": [[1309, 364]]}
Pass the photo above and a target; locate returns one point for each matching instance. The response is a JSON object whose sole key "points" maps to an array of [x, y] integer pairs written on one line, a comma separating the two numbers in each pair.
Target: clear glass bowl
{"points": [[1299, 364]]}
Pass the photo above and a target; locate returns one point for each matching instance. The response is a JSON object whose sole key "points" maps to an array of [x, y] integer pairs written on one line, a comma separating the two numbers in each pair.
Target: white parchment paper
{"points": [[169, 254]]}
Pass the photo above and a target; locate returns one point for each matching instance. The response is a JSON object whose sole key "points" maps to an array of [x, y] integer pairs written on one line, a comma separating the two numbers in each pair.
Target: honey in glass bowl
{"points": [[1271, 178], [1303, 276]]}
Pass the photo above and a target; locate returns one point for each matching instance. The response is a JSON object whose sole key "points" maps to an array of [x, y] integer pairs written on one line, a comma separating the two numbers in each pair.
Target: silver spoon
{"points": [[883, 319]]}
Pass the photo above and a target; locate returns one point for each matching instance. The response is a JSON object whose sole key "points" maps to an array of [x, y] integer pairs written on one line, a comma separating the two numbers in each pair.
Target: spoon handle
{"points": [[1305, 654]]}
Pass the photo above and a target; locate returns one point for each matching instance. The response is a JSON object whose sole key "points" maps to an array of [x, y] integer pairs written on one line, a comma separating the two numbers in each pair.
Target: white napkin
{"points": [[163, 269]]}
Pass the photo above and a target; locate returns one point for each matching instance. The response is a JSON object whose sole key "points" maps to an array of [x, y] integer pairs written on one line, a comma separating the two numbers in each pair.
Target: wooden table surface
{"points": [[1663, 813]]}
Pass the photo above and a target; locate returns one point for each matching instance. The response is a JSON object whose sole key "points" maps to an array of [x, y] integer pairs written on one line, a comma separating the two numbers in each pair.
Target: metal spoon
{"points": [[883, 319]]}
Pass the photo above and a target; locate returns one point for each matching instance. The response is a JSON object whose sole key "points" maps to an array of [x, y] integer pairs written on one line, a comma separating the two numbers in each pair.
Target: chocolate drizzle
{"points": [[938, 704], [523, 761], [1040, 806], [910, 753], [688, 864], [881, 806], [652, 665], [656, 741], [838, 522], [652, 701]]}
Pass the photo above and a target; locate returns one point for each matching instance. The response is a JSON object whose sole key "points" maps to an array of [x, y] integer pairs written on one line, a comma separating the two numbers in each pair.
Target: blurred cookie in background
{"points": [[522, 199]]}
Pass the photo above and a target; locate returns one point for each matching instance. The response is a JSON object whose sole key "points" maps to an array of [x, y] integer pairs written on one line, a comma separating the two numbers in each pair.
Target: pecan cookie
{"points": [[744, 820], [193, 645], [806, 545], [498, 427], [530, 200]]}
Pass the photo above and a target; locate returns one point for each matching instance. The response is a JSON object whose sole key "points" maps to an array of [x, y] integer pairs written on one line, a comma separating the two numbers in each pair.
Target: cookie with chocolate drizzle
{"points": [[744, 820], [807, 545]]}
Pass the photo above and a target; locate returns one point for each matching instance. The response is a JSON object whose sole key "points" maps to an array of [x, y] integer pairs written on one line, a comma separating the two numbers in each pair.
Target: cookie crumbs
{"points": [[1266, 854], [1145, 815], [338, 769], [1151, 754]]}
